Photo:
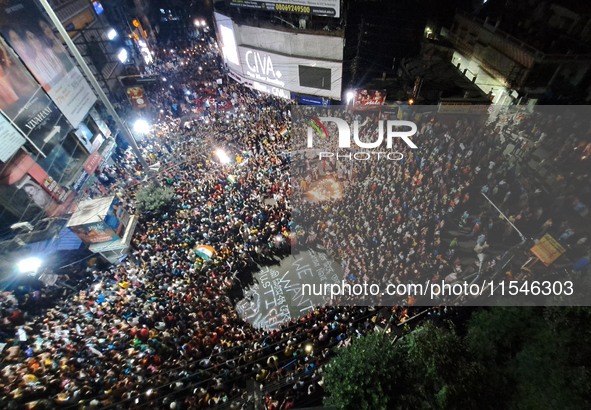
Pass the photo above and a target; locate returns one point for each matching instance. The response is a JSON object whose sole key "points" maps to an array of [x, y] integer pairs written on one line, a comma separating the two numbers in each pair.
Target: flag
{"points": [[205, 252]]}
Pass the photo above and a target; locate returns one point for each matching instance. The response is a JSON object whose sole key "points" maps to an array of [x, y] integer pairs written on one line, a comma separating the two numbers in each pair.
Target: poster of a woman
{"points": [[26, 29], [51, 43], [37, 195], [7, 94], [16, 89], [44, 64]]}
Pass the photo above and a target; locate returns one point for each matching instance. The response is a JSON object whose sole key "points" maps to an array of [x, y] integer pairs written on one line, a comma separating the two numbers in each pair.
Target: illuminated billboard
{"points": [[281, 63], [227, 40], [296, 74], [369, 98], [330, 8]]}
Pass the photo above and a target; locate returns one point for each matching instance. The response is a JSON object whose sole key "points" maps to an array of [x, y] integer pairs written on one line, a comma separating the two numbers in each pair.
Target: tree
{"points": [[510, 357], [364, 375], [153, 198], [535, 357], [440, 375], [426, 369]]}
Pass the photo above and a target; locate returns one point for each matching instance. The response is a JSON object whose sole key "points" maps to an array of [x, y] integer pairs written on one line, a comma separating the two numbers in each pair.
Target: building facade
{"points": [[543, 56], [53, 135], [288, 55]]}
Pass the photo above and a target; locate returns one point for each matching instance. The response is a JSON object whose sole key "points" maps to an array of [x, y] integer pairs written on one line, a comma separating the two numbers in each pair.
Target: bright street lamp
{"points": [[29, 265], [349, 95], [141, 126], [222, 156], [112, 34], [122, 55]]}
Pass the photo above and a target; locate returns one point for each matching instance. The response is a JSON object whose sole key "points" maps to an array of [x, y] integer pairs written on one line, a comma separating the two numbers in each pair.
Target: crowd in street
{"points": [[390, 225], [161, 330]]}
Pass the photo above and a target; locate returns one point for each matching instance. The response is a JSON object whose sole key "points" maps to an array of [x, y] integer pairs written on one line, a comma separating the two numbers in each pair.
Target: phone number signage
{"points": [[330, 8]]}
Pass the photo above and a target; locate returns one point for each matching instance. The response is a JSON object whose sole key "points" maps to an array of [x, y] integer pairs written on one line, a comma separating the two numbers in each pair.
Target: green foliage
{"points": [[440, 374], [153, 198], [426, 369], [364, 375], [537, 357], [510, 357]]}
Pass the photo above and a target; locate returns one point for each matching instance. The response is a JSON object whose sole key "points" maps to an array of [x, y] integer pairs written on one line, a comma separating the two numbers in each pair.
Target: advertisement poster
{"points": [[37, 194], [29, 188], [27, 105], [117, 217], [136, 97], [99, 220], [84, 136], [95, 233], [282, 74], [328, 8], [369, 98], [10, 139], [31, 36]]}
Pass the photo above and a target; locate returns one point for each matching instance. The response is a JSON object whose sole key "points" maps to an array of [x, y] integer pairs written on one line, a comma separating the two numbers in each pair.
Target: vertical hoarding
{"points": [[227, 40], [27, 106], [27, 31]]}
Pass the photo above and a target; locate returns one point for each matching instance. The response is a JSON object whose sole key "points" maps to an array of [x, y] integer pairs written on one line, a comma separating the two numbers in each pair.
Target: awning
{"points": [[66, 241]]}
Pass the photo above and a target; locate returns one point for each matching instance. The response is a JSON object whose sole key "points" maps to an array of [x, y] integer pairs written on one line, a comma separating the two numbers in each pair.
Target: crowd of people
{"points": [[390, 225], [160, 329]]}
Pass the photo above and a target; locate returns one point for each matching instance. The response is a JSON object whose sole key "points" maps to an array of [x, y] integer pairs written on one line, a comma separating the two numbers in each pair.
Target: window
{"points": [[315, 77]]}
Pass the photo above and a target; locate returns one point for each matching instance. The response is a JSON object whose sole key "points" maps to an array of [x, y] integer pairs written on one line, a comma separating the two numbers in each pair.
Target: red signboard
{"points": [[92, 162]]}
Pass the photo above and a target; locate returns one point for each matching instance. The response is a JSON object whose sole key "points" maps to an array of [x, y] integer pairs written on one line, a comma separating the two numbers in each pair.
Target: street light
{"points": [[349, 95], [222, 156], [122, 55], [112, 34], [29, 265], [141, 126]]}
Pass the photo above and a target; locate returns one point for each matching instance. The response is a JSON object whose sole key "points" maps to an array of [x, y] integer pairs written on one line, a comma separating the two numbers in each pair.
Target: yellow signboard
{"points": [[547, 250]]}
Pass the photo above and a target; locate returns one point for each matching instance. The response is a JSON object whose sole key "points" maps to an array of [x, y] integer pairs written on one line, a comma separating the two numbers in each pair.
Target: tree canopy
{"points": [[153, 198], [508, 357]]}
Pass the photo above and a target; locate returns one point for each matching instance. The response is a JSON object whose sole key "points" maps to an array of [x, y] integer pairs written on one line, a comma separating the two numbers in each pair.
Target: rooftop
{"points": [[521, 27]]}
